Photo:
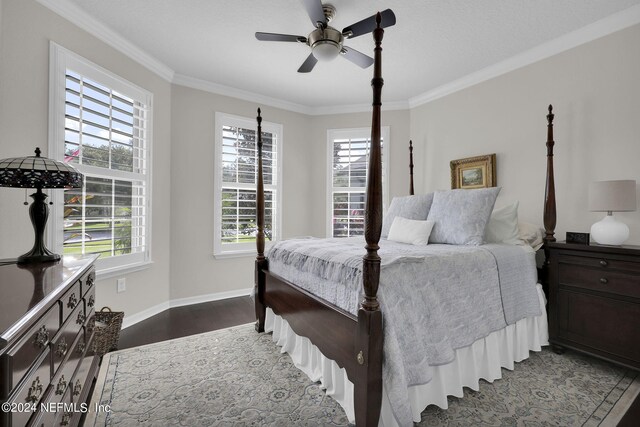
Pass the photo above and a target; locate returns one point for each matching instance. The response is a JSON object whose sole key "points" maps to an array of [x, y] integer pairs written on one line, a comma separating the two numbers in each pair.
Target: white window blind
{"points": [[237, 163], [348, 152], [105, 134]]}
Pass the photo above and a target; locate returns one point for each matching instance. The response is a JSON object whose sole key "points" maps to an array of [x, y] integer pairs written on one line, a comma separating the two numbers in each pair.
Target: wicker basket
{"points": [[107, 330]]}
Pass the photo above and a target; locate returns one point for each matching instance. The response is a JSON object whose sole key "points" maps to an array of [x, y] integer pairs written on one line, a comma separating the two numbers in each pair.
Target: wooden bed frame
{"points": [[353, 342]]}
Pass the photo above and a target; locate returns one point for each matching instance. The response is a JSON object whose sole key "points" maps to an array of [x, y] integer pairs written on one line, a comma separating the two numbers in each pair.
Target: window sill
{"points": [[107, 273], [236, 254]]}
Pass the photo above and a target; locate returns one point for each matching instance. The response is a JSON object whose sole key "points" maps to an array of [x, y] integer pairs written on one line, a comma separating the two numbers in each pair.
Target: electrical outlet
{"points": [[122, 285]]}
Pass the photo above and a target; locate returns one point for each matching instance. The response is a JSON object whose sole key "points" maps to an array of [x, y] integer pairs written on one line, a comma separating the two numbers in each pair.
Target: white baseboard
{"points": [[132, 319]]}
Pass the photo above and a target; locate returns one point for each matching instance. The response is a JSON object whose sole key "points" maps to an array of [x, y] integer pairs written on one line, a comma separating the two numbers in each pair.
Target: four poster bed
{"points": [[337, 335]]}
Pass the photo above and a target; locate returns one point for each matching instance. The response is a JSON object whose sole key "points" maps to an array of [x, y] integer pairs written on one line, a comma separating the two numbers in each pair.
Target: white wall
{"points": [[595, 91], [194, 270], [26, 28]]}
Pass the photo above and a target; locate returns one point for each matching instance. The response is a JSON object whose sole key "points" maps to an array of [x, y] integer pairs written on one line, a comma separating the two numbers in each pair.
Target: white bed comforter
{"points": [[436, 298]]}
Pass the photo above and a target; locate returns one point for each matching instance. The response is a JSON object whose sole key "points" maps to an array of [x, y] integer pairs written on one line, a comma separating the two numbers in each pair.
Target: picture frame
{"points": [[474, 172]]}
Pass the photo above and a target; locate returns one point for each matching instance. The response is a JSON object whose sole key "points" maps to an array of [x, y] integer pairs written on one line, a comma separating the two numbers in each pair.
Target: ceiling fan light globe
{"points": [[325, 50]]}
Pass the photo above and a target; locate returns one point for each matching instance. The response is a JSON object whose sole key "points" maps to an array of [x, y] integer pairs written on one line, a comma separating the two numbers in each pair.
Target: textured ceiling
{"points": [[433, 43]]}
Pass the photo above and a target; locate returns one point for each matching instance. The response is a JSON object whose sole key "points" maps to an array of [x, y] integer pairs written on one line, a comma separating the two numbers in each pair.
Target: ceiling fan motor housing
{"points": [[326, 43]]}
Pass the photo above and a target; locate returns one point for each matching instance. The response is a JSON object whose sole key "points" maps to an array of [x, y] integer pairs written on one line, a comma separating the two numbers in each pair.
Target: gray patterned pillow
{"points": [[461, 216], [409, 207]]}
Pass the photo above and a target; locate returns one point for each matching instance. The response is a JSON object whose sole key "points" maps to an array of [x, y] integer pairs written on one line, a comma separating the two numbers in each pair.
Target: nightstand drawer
{"points": [[608, 326], [600, 279], [601, 261]]}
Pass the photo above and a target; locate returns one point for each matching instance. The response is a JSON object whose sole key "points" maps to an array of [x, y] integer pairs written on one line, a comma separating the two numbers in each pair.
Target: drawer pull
{"points": [[92, 301], [35, 391], [603, 281], [73, 301], [81, 318], [90, 279], [61, 348], [66, 419], [61, 387], [81, 347], [77, 388], [41, 337], [603, 263]]}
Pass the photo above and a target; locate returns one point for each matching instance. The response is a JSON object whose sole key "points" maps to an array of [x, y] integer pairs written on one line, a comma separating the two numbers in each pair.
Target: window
{"points": [[348, 160], [236, 178], [101, 124]]}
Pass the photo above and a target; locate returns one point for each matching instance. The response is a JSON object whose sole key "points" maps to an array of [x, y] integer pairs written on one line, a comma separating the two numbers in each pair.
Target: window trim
{"points": [[351, 133], [60, 59], [244, 249]]}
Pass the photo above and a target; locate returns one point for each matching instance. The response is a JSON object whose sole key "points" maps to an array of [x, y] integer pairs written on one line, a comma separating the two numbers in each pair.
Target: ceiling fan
{"points": [[326, 42]]}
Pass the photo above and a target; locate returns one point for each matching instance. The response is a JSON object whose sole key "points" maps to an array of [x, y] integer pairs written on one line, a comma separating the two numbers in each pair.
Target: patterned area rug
{"points": [[237, 377]]}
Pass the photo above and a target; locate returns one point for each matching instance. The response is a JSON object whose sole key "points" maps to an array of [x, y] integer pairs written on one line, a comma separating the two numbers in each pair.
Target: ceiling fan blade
{"points": [[358, 58], [367, 25], [315, 12], [308, 64], [273, 37]]}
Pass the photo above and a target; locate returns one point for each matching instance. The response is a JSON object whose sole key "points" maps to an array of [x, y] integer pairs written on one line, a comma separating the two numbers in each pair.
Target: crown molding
{"points": [[358, 108], [616, 22], [76, 16], [219, 89], [207, 86]]}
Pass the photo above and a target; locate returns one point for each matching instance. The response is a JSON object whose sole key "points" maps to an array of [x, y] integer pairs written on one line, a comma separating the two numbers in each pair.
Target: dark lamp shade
{"points": [[612, 196], [38, 172]]}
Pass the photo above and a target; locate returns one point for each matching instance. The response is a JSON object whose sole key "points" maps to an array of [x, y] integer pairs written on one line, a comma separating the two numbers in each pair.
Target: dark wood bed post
{"points": [[261, 261], [368, 381], [411, 191], [549, 214]]}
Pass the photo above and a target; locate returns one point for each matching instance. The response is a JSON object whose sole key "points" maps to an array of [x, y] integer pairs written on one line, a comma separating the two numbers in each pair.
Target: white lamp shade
{"points": [[612, 196]]}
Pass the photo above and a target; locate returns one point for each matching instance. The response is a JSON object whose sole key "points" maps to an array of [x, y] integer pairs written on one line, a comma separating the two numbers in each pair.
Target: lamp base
{"points": [[30, 258], [609, 231], [38, 212]]}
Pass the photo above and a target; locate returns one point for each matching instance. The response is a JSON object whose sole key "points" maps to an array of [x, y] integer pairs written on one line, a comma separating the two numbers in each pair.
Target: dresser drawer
{"points": [[21, 357], [600, 279], [65, 342], [64, 379], [32, 390], [69, 301], [54, 414], [80, 379], [87, 281]]}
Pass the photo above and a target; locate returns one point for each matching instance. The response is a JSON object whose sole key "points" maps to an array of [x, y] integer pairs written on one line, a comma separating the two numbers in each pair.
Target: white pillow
{"points": [[410, 231], [410, 207], [531, 234], [503, 226]]}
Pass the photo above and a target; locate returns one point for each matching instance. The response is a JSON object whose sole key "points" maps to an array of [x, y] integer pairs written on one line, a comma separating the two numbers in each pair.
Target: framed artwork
{"points": [[474, 172]]}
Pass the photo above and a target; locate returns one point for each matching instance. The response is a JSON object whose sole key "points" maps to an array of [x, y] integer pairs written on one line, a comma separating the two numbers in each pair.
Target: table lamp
{"points": [[611, 196], [38, 172]]}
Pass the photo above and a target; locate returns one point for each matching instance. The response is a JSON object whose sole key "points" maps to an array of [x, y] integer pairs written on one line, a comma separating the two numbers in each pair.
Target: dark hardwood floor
{"points": [[188, 320], [195, 319]]}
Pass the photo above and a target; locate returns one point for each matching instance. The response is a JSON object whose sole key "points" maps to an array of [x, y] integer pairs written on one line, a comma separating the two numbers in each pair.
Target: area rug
{"points": [[237, 377]]}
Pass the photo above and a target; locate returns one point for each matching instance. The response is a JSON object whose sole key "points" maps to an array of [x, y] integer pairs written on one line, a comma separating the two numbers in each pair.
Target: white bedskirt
{"points": [[482, 359]]}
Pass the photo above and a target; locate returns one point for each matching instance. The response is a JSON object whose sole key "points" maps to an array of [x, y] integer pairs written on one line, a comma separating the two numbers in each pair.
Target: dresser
{"points": [[47, 365], [594, 300]]}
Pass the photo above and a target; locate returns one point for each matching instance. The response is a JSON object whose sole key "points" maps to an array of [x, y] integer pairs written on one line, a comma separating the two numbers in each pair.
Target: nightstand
{"points": [[594, 300]]}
